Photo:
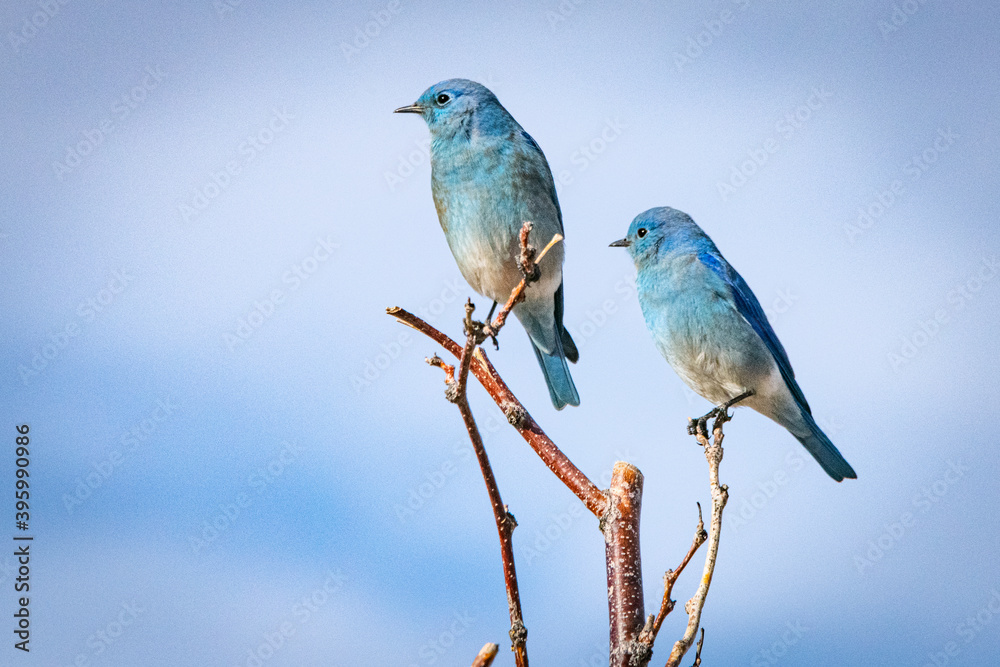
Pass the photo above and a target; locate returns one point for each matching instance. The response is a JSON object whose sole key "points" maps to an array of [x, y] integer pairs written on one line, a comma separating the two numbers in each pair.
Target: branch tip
{"points": [[697, 652], [486, 655]]}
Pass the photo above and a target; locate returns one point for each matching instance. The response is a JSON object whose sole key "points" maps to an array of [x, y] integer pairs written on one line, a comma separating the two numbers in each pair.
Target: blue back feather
{"points": [[749, 308]]}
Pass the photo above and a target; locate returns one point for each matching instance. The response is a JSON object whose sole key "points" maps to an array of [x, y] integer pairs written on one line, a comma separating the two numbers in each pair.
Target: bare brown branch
{"points": [[720, 495], [648, 635], [528, 263], [449, 370], [517, 415], [485, 656], [457, 393], [618, 508], [631, 642], [620, 525]]}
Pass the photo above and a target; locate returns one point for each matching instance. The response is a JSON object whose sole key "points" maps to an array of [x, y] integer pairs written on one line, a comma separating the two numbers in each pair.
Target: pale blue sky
{"points": [[207, 212]]}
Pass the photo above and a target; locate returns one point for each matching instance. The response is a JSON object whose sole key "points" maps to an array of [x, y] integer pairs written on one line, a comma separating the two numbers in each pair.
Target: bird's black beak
{"points": [[412, 108], [621, 243]]}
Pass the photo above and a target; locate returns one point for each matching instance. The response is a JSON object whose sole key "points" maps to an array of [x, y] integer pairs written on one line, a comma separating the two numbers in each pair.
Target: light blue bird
{"points": [[711, 329], [488, 176]]}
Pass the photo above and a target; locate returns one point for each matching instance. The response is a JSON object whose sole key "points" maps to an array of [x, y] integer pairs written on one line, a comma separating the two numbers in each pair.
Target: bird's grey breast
{"points": [[472, 193], [483, 191], [694, 325]]}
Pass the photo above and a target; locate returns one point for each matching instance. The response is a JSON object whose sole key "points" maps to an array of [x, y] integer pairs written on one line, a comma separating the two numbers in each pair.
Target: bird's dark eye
{"points": [[641, 233], [443, 98]]}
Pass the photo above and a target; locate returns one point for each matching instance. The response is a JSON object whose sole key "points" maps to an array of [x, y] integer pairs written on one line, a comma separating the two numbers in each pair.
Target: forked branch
{"points": [[618, 508], [720, 495], [653, 624], [456, 392], [528, 264], [516, 413]]}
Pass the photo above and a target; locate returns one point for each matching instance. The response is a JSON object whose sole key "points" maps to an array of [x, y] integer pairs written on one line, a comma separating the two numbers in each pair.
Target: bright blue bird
{"points": [[710, 328], [488, 176]]}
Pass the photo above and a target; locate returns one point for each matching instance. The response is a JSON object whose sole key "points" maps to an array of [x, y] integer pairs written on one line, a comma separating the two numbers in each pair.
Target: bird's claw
{"points": [[699, 426], [487, 332], [721, 414]]}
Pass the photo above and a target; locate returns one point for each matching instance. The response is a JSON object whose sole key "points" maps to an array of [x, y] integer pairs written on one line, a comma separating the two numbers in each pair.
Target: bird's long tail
{"points": [[835, 465], [557, 377]]}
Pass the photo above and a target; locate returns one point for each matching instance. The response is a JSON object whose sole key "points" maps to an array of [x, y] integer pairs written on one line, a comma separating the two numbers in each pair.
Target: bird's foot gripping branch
{"points": [[699, 426], [617, 508]]}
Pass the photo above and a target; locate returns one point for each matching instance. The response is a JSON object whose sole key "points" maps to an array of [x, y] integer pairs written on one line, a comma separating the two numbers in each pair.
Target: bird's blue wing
{"points": [[749, 308], [527, 137], [531, 145]]}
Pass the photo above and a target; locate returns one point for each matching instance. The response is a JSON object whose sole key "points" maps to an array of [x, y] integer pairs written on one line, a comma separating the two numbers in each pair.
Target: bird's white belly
{"points": [[706, 375], [490, 269]]}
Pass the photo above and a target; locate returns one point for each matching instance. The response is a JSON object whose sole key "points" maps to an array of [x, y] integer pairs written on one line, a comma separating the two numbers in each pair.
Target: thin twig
{"points": [[648, 635], [697, 652], [517, 415], [529, 269], [457, 393], [449, 370], [485, 656], [720, 495], [618, 509]]}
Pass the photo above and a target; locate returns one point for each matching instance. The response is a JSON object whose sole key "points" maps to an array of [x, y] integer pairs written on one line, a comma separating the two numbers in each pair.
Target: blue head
{"points": [[460, 106], [662, 231]]}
